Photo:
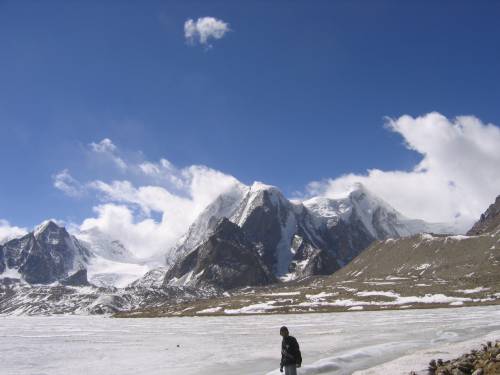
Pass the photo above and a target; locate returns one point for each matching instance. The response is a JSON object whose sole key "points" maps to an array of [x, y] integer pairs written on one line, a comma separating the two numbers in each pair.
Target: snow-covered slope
{"points": [[112, 264], [379, 218], [104, 246]]}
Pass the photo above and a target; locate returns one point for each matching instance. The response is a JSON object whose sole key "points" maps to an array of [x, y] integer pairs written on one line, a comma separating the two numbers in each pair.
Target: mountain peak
{"points": [[46, 226], [258, 187]]}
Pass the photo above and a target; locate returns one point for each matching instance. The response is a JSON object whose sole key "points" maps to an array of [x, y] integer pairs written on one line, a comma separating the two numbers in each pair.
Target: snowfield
{"points": [[338, 343]]}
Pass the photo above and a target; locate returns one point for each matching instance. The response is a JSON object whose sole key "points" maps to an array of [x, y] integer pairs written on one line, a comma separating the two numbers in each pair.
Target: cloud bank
{"points": [[153, 207], [456, 180], [203, 29], [153, 203]]}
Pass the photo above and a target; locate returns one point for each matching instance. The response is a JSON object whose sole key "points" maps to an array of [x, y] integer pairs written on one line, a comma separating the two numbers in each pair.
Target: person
{"points": [[291, 358]]}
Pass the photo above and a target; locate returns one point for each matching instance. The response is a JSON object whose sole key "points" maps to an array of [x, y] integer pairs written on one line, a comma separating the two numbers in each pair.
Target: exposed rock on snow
{"points": [[296, 240], [226, 261], [46, 255]]}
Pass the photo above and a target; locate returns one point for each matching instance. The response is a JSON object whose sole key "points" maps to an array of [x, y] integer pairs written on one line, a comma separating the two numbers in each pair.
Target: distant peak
{"points": [[47, 225], [259, 186]]}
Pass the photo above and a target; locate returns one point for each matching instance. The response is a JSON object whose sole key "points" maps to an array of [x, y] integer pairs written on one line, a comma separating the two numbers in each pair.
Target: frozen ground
{"points": [[339, 343]]}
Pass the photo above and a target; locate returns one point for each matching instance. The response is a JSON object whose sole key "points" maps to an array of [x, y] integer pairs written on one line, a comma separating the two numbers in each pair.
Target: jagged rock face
{"points": [[309, 260], [46, 255], [347, 239], [331, 231], [489, 221], [224, 206], [227, 260], [263, 226], [272, 224], [2, 260]]}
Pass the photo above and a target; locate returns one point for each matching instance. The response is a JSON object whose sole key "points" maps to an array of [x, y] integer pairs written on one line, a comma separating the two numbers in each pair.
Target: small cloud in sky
{"points": [[108, 148], [69, 185], [201, 30]]}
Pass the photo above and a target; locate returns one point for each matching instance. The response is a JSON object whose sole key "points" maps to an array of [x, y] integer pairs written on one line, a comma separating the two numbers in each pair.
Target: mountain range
{"points": [[251, 236], [419, 271], [296, 239]]}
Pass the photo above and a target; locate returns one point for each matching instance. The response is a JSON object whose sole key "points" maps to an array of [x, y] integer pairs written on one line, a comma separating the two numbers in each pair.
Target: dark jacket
{"points": [[290, 352]]}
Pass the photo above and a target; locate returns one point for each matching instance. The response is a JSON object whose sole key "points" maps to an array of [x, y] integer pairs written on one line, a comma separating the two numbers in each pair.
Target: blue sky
{"points": [[295, 92]]}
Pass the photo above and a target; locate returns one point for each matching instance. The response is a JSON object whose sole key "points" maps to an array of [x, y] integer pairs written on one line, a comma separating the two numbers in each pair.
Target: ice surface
{"points": [[339, 343]]}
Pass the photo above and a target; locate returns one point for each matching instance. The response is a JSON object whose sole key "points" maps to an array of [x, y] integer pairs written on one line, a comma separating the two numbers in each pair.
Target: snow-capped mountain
{"points": [[295, 239], [49, 253], [46, 255], [251, 235], [379, 218], [223, 206], [419, 271]]}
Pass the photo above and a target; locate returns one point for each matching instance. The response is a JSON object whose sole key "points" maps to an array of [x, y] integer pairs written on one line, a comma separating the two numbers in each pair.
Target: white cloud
{"points": [[204, 29], [151, 209], [162, 171], [155, 202], [140, 232], [106, 145], [457, 178], [144, 237], [66, 183], [107, 148], [8, 232]]}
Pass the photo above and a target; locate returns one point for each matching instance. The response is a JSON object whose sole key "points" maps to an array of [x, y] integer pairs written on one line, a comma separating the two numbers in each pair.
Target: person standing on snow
{"points": [[291, 358]]}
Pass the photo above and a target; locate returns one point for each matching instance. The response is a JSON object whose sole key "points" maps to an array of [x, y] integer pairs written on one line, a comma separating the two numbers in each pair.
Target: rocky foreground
{"points": [[485, 361]]}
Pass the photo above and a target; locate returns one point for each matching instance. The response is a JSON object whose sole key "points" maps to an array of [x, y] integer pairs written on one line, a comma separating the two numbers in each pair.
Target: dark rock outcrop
{"points": [[485, 361], [263, 226], [2, 260], [79, 278], [225, 261], [46, 255], [489, 221]]}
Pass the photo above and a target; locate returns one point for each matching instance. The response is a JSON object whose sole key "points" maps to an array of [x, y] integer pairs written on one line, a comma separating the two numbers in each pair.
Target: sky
{"points": [[133, 116]]}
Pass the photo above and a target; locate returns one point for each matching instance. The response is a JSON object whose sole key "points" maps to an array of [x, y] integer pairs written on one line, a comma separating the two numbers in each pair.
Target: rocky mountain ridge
{"points": [[227, 260], [259, 236], [420, 271], [46, 255], [296, 240]]}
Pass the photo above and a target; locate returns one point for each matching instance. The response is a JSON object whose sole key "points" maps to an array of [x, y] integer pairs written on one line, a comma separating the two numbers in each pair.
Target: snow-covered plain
{"points": [[339, 343]]}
